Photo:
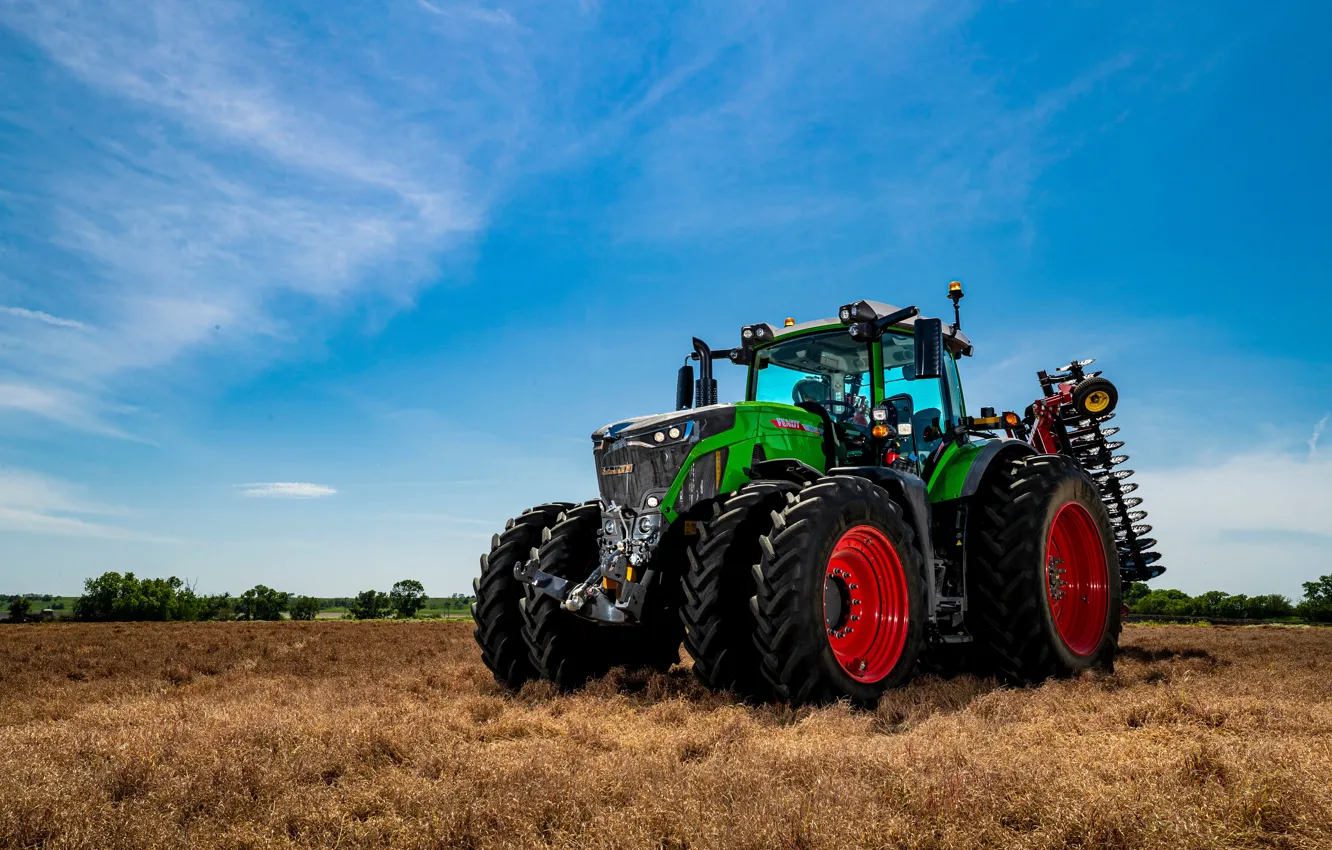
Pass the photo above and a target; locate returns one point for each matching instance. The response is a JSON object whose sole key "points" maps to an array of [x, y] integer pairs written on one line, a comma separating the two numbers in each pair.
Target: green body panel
{"points": [[951, 473], [799, 437]]}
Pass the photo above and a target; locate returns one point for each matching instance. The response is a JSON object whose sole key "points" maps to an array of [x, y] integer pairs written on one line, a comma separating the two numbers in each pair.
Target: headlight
{"points": [[674, 433], [659, 437], [880, 414]]}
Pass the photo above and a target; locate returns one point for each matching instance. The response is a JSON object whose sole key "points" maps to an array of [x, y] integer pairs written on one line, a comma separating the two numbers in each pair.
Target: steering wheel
{"points": [[847, 409]]}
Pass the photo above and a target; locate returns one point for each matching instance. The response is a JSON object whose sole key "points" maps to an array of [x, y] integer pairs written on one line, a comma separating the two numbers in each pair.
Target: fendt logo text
{"points": [[797, 425]]}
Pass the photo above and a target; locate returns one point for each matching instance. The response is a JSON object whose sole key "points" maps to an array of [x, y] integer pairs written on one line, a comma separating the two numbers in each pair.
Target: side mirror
{"points": [[929, 348], [684, 387]]}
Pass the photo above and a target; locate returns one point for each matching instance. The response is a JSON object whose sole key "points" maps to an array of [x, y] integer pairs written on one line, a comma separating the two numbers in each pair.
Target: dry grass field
{"points": [[337, 734]]}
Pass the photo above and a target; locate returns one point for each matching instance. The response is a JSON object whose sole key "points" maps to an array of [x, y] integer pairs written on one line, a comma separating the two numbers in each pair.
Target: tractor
{"points": [[846, 524]]}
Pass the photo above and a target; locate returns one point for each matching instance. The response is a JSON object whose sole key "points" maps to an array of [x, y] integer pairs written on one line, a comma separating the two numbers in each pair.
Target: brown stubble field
{"points": [[337, 734]]}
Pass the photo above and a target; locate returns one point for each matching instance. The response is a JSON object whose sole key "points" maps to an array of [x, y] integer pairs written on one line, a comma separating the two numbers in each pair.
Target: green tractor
{"points": [[846, 524]]}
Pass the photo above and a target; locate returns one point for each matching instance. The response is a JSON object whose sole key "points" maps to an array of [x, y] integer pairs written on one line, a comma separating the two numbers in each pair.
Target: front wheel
{"points": [[1042, 573], [840, 602]]}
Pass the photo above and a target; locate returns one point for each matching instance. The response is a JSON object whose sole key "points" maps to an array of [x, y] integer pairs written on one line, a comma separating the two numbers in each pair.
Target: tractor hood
{"points": [[641, 425], [638, 459]]}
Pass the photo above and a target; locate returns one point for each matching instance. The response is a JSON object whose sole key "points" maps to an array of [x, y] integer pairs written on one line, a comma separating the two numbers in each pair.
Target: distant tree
{"points": [[115, 597], [1317, 604], [261, 603], [217, 607], [1171, 602], [1135, 591], [304, 608], [18, 609], [369, 605], [1269, 607], [407, 597]]}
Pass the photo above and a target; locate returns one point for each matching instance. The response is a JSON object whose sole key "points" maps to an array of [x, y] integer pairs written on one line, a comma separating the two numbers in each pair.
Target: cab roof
{"points": [[957, 342]]}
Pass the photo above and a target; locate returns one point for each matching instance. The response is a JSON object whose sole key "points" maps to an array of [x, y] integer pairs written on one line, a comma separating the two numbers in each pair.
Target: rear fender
{"points": [[992, 451]]}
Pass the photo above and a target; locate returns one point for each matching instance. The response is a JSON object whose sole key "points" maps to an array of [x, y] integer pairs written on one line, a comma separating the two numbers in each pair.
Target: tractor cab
{"points": [[854, 385]]}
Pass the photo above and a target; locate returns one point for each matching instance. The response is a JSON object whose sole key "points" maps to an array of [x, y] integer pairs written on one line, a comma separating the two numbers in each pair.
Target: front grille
{"points": [[630, 466], [627, 473]]}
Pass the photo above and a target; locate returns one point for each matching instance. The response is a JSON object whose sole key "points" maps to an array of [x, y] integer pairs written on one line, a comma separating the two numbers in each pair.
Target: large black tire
{"points": [[562, 647], [1012, 614], [795, 628], [719, 624], [499, 620], [568, 650]]}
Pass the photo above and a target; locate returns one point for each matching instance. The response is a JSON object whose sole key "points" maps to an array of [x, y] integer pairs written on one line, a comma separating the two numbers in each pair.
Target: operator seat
{"points": [[923, 419]]}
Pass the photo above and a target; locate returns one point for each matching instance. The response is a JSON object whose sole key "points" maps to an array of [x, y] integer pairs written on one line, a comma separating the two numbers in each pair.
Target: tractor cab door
{"points": [[930, 405]]}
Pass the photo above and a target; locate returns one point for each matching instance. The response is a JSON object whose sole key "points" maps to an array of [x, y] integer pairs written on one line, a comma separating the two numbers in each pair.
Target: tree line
{"points": [[1315, 607], [117, 597], [113, 597]]}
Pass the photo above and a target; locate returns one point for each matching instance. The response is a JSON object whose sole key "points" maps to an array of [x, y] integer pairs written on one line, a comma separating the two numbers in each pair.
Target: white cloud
{"points": [[288, 490], [39, 316], [1248, 523]]}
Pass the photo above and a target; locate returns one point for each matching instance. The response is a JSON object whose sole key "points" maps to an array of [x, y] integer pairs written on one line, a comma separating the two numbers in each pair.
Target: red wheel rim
{"points": [[1077, 582], [866, 607]]}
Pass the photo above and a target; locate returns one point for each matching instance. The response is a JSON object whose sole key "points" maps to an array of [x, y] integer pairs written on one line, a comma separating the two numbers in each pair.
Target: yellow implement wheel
{"points": [[1098, 401], [1095, 397]]}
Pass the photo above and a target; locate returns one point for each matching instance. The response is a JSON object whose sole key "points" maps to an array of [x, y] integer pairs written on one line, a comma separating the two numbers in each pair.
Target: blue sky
{"points": [[317, 296]]}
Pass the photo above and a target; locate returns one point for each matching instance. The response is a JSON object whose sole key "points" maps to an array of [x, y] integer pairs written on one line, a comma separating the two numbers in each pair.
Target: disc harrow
{"points": [[1088, 443]]}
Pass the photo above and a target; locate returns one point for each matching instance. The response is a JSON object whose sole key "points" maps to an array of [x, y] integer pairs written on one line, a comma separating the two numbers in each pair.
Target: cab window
{"points": [[917, 402]]}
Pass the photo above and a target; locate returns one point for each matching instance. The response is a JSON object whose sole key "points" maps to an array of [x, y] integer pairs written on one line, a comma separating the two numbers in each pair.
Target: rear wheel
{"points": [[719, 624], [1042, 577], [840, 602], [499, 620]]}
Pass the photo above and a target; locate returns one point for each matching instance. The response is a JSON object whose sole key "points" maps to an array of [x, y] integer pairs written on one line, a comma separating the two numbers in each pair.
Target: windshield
{"points": [[828, 368]]}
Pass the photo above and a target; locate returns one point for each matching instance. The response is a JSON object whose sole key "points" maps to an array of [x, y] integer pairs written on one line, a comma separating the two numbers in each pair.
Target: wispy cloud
{"points": [[39, 316], [38, 504], [287, 490], [1317, 432], [241, 180], [57, 405]]}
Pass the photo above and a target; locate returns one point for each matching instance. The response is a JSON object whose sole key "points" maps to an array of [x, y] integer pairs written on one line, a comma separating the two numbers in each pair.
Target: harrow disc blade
{"points": [[1137, 545], [1141, 529], [1091, 432], [1117, 475], [1134, 516], [1077, 364], [1118, 459], [1129, 488], [1109, 432]]}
